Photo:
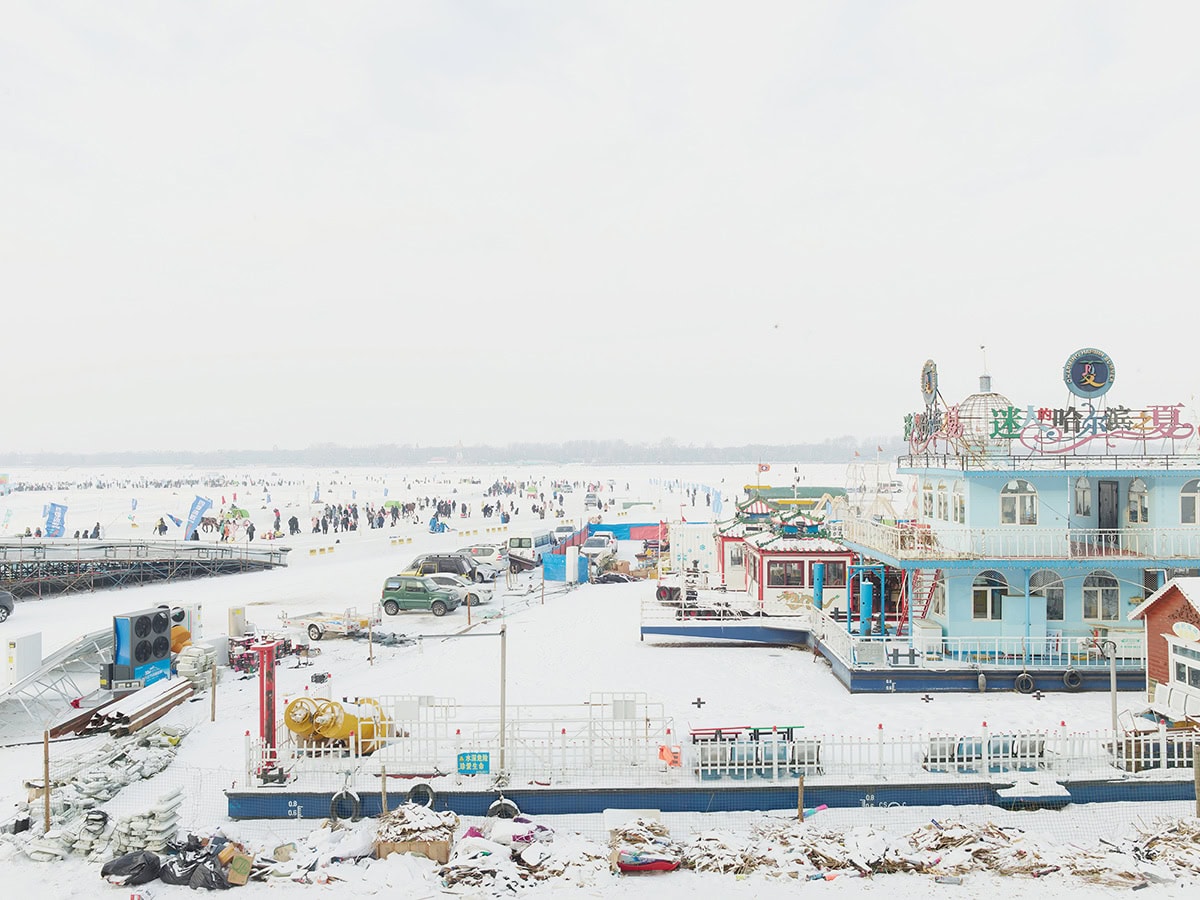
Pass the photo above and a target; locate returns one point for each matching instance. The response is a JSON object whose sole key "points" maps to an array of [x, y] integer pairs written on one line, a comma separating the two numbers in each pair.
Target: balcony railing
{"points": [[919, 541], [1003, 462]]}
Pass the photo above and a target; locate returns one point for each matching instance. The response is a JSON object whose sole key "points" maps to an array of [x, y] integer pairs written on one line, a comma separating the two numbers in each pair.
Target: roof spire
{"points": [[985, 380]]}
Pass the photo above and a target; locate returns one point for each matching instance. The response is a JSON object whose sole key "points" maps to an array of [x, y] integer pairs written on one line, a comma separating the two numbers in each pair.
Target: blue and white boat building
{"points": [[1034, 530]]}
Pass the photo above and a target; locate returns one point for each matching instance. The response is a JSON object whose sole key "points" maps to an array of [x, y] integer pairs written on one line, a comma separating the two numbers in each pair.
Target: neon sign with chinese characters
{"points": [[1047, 430]]}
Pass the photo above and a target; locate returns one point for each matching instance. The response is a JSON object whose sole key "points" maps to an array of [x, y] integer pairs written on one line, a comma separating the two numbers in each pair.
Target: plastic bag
{"points": [[177, 870], [209, 875], [132, 868]]}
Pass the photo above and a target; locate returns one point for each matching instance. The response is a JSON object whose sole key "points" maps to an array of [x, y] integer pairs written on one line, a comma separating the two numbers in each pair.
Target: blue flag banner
{"points": [[178, 521], [385, 492], [56, 520], [268, 498], [134, 504], [354, 495], [200, 506]]}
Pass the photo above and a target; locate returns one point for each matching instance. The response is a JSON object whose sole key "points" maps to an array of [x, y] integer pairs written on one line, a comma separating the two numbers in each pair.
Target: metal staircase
{"points": [[924, 583]]}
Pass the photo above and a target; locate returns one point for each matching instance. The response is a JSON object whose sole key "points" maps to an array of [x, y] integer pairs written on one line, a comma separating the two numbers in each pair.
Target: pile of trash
{"points": [[644, 845], [943, 849], [506, 855], [79, 825], [412, 822]]}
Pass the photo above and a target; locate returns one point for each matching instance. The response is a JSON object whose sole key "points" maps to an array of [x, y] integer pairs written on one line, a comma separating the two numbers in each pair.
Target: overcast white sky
{"points": [[254, 224]]}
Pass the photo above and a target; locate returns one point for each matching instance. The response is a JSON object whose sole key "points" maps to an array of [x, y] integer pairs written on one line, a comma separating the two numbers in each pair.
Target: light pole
{"points": [[1109, 648]]}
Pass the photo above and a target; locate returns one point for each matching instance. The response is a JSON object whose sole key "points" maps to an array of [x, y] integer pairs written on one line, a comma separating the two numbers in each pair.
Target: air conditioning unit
{"points": [[189, 616], [142, 642]]}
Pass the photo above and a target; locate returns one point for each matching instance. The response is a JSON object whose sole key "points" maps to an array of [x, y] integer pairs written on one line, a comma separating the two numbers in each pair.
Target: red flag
{"points": [[764, 467], [856, 453], [878, 449]]}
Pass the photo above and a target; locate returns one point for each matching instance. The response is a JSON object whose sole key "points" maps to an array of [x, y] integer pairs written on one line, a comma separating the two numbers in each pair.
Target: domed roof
{"points": [[975, 417]]}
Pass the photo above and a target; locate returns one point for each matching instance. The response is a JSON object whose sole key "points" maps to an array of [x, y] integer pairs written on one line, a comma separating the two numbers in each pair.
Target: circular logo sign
{"points": [[929, 381], [1089, 373]]}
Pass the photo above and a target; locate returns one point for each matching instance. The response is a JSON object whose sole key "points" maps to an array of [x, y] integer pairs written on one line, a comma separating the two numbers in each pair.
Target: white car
{"points": [[563, 532], [469, 594], [493, 555], [598, 548]]}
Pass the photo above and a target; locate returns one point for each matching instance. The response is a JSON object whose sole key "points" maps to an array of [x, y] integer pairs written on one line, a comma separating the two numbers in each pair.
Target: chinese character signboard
{"points": [[474, 763], [1063, 430], [1089, 373]]}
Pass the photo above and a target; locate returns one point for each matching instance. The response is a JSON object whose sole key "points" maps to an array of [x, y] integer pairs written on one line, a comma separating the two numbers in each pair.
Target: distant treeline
{"points": [[616, 452]]}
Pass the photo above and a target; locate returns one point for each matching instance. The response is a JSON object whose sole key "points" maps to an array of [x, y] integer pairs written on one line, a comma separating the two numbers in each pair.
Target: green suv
{"points": [[417, 592]]}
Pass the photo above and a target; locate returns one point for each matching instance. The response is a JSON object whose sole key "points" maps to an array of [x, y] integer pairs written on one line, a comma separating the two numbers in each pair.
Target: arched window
{"points": [[1189, 502], [958, 504], [1101, 597], [986, 595], [1049, 585], [1018, 503], [1139, 506], [1083, 497], [943, 502], [927, 499]]}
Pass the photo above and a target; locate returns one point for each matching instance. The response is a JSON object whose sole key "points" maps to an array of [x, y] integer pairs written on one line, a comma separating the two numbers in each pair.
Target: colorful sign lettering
{"points": [[1089, 373], [1047, 430]]}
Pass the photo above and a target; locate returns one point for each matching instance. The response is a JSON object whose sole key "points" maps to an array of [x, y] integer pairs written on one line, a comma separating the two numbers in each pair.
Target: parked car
{"points": [[469, 593], [455, 564], [417, 592], [6, 605], [590, 500], [598, 549], [495, 555], [563, 532]]}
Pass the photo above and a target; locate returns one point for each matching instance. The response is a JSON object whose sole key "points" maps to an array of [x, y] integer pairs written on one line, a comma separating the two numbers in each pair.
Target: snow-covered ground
{"points": [[559, 652]]}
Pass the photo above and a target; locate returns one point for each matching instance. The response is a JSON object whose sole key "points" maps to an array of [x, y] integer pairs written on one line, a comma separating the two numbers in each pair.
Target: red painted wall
{"points": [[1171, 608]]}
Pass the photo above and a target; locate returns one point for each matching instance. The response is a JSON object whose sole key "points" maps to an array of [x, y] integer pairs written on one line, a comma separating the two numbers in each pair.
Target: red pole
{"points": [[266, 695]]}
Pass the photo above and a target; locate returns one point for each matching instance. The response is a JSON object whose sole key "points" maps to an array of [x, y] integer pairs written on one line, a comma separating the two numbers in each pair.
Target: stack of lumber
{"points": [[129, 713]]}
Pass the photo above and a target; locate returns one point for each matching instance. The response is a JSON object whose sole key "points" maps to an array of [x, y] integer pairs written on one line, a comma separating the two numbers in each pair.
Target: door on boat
{"points": [[1108, 512]]}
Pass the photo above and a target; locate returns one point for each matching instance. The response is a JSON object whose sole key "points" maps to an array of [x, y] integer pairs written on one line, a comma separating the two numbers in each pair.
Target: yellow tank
{"points": [[299, 716], [364, 722]]}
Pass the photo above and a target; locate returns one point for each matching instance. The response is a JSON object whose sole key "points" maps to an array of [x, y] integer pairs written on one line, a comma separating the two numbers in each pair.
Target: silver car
{"points": [[468, 593]]}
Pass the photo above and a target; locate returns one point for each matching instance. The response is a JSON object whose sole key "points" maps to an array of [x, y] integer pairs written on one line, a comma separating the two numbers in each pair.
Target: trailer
{"points": [[350, 623]]}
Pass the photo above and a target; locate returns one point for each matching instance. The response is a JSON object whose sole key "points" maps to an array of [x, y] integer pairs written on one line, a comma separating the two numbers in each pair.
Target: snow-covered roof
{"points": [[1189, 587], [773, 543]]}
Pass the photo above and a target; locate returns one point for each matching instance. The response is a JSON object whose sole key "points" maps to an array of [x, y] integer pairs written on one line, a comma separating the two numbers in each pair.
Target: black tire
{"points": [[1024, 683], [663, 593], [314, 632], [3, 613], [421, 795], [438, 608], [391, 607], [1072, 679], [503, 809], [478, 577], [355, 805]]}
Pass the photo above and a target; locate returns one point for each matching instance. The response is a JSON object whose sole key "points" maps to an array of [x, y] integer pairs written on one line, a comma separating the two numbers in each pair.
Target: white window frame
{"points": [[991, 594], [1018, 503], [943, 502], [927, 499], [958, 504], [1137, 507], [1083, 497], [1190, 491], [1052, 583], [1097, 596]]}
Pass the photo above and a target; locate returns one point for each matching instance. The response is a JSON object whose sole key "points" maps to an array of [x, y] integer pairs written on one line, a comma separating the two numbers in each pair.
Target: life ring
{"points": [[1024, 683], [421, 795], [663, 593], [1072, 679], [503, 809], [355, 805]]}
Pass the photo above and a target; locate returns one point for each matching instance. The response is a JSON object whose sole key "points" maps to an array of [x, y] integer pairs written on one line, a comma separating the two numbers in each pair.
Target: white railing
{"points": [[781, 754], [1033, 653], [1047, 462], [919, 541]]}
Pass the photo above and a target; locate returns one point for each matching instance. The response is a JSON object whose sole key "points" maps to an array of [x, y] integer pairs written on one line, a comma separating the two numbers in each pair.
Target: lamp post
{"points": [[1108, 647]]}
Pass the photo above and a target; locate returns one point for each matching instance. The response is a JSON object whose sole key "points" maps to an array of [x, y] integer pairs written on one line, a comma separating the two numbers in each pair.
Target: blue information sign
{"points": [[474, 763]]}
